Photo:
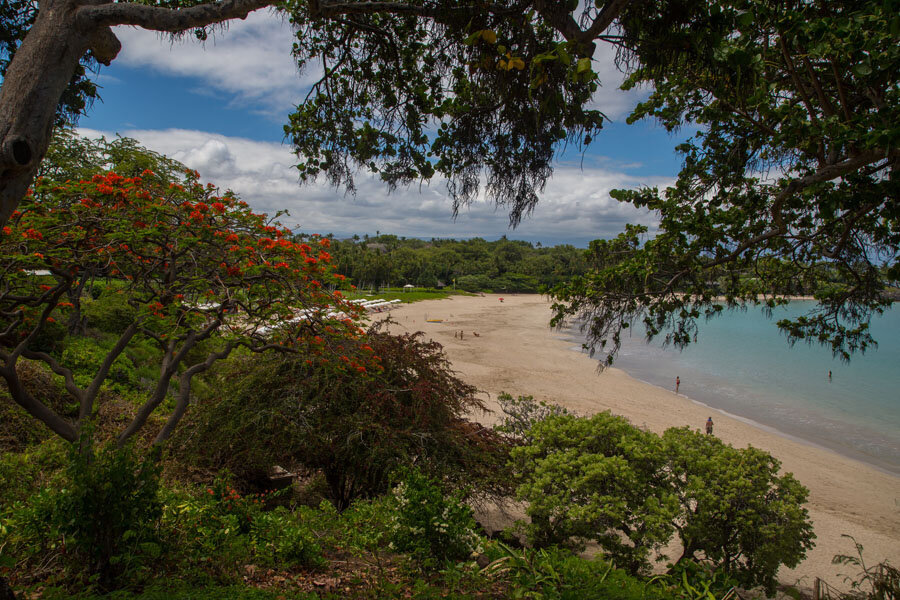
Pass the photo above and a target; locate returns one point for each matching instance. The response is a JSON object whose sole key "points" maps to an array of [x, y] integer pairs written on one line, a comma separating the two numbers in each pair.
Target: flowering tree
{"points": [[202, 275]]}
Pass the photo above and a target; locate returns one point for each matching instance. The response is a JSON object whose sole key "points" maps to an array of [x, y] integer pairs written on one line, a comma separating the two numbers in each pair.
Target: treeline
{"points": [[474, 265]]}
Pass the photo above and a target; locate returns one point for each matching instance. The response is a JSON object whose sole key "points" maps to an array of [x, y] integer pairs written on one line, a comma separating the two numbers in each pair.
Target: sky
{"points": [[220, 107]]}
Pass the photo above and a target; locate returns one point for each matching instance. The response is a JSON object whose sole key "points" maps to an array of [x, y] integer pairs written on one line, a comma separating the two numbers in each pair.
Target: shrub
{"points": [[522, 413], [105, 518], [430, 526], [111, 508], [223, 529], [601, 478], [355, 426], [736, 511]]}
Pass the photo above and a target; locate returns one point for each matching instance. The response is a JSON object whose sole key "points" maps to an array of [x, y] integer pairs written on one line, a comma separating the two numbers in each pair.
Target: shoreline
{"points": [[843, 452], [516, 352]]}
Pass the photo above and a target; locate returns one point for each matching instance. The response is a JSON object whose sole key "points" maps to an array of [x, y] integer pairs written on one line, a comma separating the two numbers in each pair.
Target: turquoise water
{"points": [[742, 365]]}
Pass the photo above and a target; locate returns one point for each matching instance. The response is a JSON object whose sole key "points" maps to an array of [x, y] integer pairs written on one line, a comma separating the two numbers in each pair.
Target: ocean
{"points": [[742, 365]]}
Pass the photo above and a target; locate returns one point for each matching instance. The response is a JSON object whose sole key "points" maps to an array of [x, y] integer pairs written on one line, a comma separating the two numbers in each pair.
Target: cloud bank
{"points": [[574, 208]]}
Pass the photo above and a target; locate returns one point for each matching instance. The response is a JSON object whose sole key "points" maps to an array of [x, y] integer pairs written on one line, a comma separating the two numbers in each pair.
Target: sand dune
{"points": [[516, 352]]}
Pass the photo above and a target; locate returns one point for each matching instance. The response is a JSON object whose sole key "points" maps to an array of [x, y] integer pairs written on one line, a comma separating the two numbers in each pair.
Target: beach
{"points": [[515, 351]]}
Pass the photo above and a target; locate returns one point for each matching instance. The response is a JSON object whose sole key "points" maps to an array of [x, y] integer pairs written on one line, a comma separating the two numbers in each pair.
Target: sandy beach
{"points": [[516, 352]]}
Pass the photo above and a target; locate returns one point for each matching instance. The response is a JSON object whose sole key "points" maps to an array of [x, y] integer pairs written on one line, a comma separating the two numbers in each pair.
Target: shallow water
{"points": [[741, 364]]}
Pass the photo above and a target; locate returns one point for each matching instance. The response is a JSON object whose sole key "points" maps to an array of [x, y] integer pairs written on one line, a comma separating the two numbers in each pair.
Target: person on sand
{"points": [[709, 426], [677, 383]]}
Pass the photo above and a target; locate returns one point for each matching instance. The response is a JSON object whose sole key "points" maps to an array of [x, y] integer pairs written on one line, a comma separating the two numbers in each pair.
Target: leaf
{"points": [[584, 64]]}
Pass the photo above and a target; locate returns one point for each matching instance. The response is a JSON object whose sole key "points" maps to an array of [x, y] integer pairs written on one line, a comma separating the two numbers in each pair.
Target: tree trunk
{"points": [[34, 82]]}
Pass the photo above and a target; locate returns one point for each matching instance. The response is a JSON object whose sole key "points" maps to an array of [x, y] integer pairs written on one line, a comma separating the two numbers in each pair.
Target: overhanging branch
{"points": [[156, 18]]}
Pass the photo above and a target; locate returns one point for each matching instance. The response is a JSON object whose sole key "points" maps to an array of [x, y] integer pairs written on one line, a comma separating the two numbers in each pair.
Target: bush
{"points": [[106, 517], [429, 526], [522, 413], [223, 529], [601, 478], [736, 511], [596, 478], [355, 427], [111, 509]]}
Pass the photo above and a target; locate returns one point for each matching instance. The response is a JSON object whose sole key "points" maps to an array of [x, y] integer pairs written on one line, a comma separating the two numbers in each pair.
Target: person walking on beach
{"points": [[709, 426], [677, 383]]}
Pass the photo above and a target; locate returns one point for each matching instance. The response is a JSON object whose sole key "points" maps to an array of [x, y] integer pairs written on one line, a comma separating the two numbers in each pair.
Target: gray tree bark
{"points": [[63, 32]]}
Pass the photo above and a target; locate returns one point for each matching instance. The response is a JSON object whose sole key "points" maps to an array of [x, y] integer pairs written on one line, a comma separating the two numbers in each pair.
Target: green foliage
{"points": [[522, 413], [601, 478], [558, 574], [110, 311], [695, 581], [83, 354], [355, 425], [429, 526], [26, 471], [473, 265], [785, 180], [737, 512], [111, 509], [596, 478], [106, 517], [473, 95], [232, 529]]}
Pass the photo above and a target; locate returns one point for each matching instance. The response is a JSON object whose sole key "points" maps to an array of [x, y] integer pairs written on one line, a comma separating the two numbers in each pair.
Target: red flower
{"points": [[7, 231], [33, 234]]}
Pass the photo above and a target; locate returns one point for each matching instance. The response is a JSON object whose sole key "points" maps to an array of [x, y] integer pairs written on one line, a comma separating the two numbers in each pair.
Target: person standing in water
{"points": [[677, 383], [709, 426]]}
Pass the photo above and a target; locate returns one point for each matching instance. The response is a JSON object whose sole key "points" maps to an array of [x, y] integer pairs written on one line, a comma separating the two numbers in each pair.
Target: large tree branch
{"points": [[156, 18], [64, 372], [184, 391], [167, 371], [87, 401], [606, 17], [34, 407]]}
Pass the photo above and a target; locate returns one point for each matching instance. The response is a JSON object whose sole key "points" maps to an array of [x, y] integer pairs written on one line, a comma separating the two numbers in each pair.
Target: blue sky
{"points": [[220, 107]]}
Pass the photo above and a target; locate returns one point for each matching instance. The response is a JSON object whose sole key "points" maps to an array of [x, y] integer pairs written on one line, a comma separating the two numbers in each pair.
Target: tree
{"points": [[630, 490], [597, 478], [794, 167], [795, 102], [200, 273], [365, 49], [357, 414], [736, 511]]}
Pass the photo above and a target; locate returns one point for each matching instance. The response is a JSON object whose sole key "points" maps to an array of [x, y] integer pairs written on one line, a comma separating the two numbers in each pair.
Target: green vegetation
{"points": [[474, 265], [356, 428], [166, 303], [603, 479]]}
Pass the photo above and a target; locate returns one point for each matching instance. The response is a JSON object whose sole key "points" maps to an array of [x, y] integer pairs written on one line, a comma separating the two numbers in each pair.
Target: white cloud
{"points": [[250, 61], [612, 101], [575, 205]]}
